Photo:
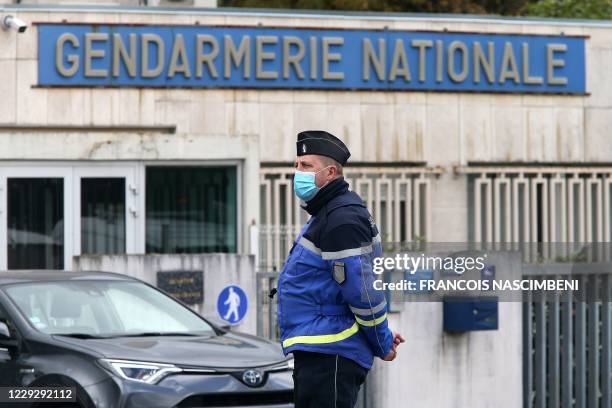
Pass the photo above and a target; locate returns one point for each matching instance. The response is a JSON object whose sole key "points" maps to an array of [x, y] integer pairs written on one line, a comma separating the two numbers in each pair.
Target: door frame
{"points": [[71, 173], [26, 170], [132, 211]]}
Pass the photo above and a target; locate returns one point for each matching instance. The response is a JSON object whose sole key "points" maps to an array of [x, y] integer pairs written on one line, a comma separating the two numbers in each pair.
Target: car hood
{"points": [[228, 350]]}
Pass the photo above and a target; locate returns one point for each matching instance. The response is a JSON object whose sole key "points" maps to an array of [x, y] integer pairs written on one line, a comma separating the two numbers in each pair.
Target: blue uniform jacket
{"points": [[326, 300]]}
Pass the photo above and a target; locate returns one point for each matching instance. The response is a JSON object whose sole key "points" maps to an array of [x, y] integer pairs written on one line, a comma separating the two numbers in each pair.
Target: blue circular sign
{"points": [[232, 304]]}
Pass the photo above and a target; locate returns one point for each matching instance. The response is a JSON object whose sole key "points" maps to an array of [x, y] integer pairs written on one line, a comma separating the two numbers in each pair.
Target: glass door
{"points": [[34, 217], [106, 203]]}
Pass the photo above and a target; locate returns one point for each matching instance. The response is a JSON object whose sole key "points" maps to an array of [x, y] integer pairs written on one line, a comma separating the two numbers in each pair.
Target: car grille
{"points": [[240, 399]]}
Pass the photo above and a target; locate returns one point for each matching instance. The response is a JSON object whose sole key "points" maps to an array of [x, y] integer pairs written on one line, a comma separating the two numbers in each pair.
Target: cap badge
{"points": [[303, 147]]}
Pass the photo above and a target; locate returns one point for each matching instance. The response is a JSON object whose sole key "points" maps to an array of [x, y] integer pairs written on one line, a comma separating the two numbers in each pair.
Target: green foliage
{"points": [[507, 7], [586, 9], [595, 9]]}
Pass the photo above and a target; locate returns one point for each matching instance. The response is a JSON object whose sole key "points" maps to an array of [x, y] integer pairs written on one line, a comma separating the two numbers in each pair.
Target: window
{"points": [[35, 223], [97, 308], [145, 308], [191, 209], [103, 229], [54, 211]]}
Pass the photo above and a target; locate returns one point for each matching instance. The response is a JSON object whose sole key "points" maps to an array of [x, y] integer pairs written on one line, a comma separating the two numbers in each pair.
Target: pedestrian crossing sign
{"points": [[232, 304]]}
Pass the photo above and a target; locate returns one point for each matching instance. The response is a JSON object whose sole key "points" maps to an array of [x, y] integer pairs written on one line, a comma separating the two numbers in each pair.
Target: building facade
{"points": [[460, 129], [420, 156]]}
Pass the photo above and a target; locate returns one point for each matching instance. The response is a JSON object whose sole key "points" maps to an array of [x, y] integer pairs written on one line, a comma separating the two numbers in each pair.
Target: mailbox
{"points": [[463, 314]]}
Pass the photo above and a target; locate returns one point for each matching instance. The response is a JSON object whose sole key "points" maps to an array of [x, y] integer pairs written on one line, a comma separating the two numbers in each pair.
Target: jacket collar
{"points": [[333, 189]]}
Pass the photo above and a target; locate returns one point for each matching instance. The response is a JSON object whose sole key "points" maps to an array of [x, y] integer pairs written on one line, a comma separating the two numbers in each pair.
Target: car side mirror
{"points": [[226, 326], [222, 324], [6, 339], [5, 333]]}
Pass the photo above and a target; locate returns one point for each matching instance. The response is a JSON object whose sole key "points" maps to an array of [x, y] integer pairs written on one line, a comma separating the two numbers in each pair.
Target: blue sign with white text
{"points": [[232, 304], [291, 58]]}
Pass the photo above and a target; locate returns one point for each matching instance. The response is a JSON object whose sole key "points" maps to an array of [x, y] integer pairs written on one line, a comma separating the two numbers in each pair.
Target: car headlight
{"points": [[284, 366], [149, 373]]}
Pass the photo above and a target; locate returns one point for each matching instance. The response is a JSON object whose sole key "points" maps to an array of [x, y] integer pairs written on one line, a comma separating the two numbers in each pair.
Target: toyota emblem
{"points": [[252, 378]]}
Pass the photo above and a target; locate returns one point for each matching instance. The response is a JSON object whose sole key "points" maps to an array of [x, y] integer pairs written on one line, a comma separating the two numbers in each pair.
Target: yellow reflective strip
{"points": [[374, 322], [322, 338]]}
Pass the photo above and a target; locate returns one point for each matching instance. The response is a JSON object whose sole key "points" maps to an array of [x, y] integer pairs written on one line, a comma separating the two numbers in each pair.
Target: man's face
{"points": [[313, 163]]}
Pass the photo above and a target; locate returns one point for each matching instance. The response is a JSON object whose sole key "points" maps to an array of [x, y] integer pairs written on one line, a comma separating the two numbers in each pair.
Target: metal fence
{"points": [[567, 346], [552, 213], [540, 204]]}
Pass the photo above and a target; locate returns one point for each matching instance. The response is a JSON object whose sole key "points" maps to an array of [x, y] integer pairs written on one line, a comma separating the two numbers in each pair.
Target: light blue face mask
{"points": [[304, 184]]}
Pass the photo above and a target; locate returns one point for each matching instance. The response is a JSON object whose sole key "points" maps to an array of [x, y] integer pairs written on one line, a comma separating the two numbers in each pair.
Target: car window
{"points": [[33, 306], [141, 313], [102, 308], [46, 309]]}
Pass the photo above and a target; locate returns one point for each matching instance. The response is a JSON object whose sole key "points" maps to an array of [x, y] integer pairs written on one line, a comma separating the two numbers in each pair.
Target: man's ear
{"points": [[333, 172], [336, 172]]}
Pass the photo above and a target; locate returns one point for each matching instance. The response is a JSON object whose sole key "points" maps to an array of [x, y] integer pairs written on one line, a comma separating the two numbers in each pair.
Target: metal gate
{"points": [[540, 204], [567, 346], [550, 212]]}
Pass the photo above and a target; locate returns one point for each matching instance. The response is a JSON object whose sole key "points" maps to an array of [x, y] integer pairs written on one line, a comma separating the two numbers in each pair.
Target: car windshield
{"points": [[90, 309]]}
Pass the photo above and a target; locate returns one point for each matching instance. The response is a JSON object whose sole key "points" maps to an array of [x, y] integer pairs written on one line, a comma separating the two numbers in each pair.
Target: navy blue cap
{"points": [[322, 143]]}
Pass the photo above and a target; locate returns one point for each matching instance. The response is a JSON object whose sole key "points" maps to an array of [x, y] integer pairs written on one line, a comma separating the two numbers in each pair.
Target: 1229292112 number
{"points": [[37, 394]]}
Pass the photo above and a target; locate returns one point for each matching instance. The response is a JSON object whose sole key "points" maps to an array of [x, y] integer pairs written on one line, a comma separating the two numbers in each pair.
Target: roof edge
{"points": [[315, 14]]}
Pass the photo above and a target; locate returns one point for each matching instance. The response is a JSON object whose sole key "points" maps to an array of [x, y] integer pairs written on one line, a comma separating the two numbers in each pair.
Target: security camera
{"points": [[14, 23]]}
